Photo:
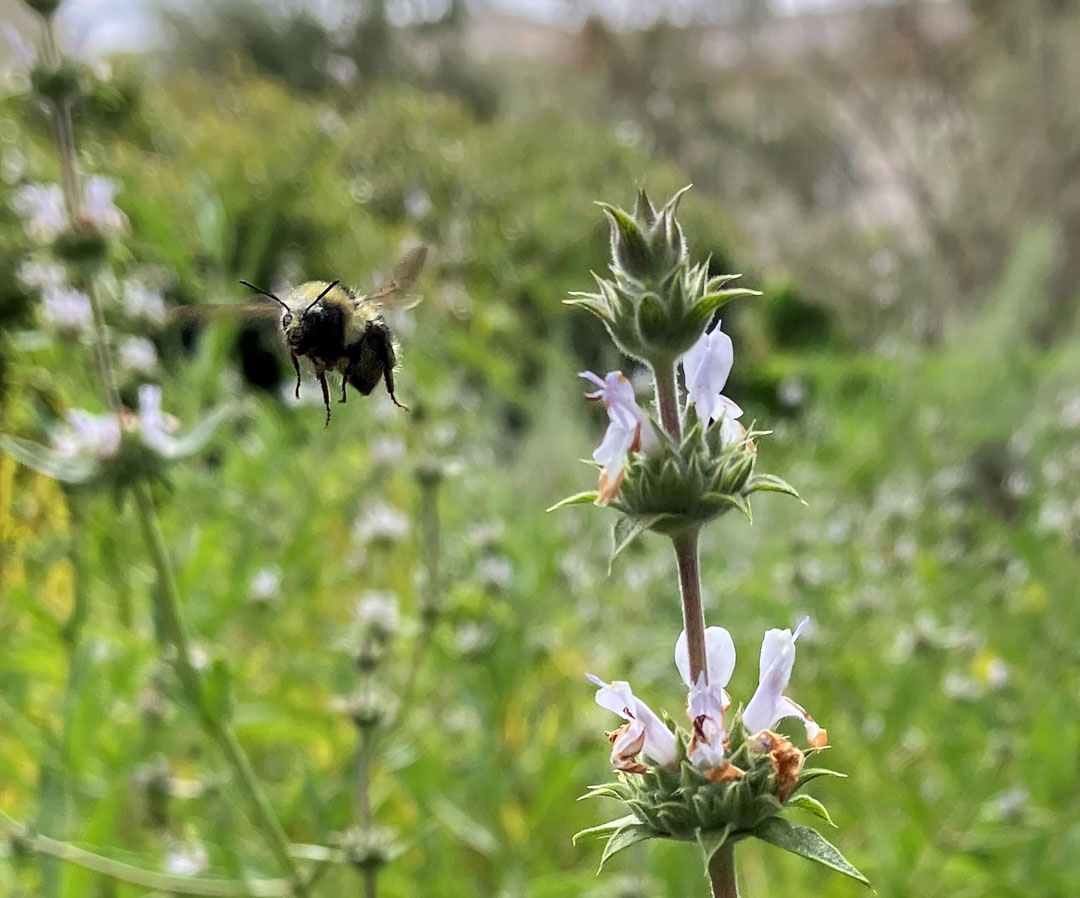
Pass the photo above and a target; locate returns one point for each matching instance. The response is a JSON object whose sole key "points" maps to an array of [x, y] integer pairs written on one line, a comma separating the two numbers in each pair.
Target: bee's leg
{"points": [[388, 374], [296, 368], [344, 384], [325, 395]]}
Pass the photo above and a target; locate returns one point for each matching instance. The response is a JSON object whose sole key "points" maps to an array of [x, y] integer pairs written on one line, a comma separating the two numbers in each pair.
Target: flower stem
{"points": [[147, 879], [432, 596], [53, 812], [364, 813], [685, 542], [722, 872], [172, 634], [686, 555], [667, 399], [64, 135]]}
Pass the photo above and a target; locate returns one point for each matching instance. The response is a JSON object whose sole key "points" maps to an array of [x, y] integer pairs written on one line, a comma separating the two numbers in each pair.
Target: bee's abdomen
{"points": [[371, 357]]}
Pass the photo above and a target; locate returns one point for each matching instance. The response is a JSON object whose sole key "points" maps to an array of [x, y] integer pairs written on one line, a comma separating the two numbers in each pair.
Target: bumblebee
{"points": [[340, 330]]}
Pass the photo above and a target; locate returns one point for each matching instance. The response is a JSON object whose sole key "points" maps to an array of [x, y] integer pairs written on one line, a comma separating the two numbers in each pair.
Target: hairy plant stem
{"points": [[172, 634], [138, 876], [685, 542], [722, 873], [667, 398], [64, 136], [686, 556], [432, 597], [364, 813], [53, 777], [166, 595]]}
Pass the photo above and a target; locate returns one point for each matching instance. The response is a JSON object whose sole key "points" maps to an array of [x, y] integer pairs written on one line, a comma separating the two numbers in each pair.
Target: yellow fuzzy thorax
{"points": [[357, 312]]}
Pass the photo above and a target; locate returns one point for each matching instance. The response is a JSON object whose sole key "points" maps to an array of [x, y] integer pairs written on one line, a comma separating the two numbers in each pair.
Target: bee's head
{"points": [[300, 328], [297, 326]]}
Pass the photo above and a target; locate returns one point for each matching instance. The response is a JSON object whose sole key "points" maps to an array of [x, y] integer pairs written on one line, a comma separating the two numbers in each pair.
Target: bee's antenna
{"points": [[320, 296], [267, 293]]}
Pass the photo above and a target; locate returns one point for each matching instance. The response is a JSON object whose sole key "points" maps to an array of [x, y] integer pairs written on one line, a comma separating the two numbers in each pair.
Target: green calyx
{"points": [[675, 487], [369, 848], [656, 304], [57, 83], [681, 803], [81, 245], [133, 461], [44, 7]]}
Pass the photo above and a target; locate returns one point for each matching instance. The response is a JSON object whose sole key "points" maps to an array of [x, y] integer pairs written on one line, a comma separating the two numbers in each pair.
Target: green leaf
{"points": [[45, 461], [735, 500], [624, 838], [704, 309], [770, 483], [712, 840], [629, 249], [199, 435], [807, 843], [625, 531], [605, 829], [586, 498], [643, 208], [812, 773], [608, 790], [812, 805], [717, 281], [592, 303]]}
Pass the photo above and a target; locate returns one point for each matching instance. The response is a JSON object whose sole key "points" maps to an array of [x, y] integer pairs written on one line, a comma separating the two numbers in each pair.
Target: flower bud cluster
{"points": [[115, 449], [675, 477], [377, 623], [720, 780], [656, 304], [677, 802], [685, 484], [84, 241], [369, 848]]}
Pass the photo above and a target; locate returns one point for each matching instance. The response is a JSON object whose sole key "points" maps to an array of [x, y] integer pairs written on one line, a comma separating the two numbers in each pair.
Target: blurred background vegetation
{"points": [[901, 179]]}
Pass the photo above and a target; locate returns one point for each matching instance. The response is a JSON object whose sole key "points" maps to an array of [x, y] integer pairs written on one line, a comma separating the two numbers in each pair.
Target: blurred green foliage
{"points": [[937, 556]]}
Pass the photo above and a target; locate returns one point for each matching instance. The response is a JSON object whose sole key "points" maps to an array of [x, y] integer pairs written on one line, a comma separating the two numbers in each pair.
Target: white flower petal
{"points": [[154, 426], [41, 206], [98, 205], [706, 367], [719, 656], [137, 354], [617, 697], [612, 451], [731, 431], [720, 652], [707, 749], [769, 704], [593, 379], [815, 735]]}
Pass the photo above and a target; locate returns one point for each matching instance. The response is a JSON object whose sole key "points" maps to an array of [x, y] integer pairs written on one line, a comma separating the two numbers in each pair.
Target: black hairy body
{"points": [[340, 330]]}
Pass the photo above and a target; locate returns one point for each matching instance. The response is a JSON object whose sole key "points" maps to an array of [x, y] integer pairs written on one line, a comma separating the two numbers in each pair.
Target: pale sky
{"points": [[94, 26]]}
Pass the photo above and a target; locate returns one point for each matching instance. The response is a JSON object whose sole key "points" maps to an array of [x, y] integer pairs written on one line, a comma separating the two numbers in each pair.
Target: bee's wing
{"points": [[394, 293], [206, 311]]}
